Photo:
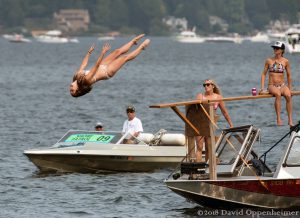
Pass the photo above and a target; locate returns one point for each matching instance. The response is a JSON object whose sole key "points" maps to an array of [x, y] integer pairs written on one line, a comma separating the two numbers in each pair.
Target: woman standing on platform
{"points": [[276, 66], [212, 92], [105, 68]]}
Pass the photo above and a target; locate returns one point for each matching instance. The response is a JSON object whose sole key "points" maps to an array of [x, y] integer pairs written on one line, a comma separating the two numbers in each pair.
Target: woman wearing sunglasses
{"points": [[105, 68], [211, 92], [276, 66]]}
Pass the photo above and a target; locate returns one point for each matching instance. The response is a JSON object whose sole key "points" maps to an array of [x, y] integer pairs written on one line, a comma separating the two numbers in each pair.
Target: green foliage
{"points": [[158, 28], [146, 15]]}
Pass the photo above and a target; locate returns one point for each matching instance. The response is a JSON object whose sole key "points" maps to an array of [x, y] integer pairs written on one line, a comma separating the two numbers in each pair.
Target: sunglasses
{"points": [[206, 84], [130, 111], [275, 48]]}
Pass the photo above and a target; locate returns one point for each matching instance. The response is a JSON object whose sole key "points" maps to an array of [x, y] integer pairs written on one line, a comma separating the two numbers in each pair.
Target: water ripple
{"points": [[36, 110]]}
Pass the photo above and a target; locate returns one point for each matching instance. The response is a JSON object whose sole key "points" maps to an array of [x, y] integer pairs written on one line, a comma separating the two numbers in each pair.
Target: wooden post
{"points": [[211, 148], [191, 148]]}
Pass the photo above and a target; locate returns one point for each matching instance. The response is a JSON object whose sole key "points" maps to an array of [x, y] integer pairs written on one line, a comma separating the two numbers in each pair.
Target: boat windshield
{"points": [[99, 137], [293, 158], [230, 146], [91, 136]]}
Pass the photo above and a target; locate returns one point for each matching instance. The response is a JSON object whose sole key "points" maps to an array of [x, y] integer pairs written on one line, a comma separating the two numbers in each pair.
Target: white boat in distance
{"points": [[292, 39], [189, 37], [16, 38], [227, 39], [94, 152], [260, 37], [106, 38], [55, 36], [276, 36]]}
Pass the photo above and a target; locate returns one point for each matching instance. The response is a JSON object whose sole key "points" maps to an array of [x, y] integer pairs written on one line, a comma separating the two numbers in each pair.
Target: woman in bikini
{"points": [[212, 92], [105, 68], [276, 66]]}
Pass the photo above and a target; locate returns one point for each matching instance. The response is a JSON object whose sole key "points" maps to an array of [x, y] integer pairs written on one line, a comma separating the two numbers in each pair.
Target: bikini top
{"points": [[216, 104], [276, 68]]}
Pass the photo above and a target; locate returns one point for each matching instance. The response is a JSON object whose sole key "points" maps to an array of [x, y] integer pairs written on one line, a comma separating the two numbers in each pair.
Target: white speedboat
{"points": [[106, 38], [54, 36], [73, 40], [225, 39], [92, 152], [260, 37], [189, 37], [16, 38], [276, 36], [243, 178], [292, 39]]}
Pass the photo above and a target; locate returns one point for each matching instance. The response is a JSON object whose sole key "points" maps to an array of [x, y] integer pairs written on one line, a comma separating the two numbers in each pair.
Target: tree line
{"points": [[129, 16]]}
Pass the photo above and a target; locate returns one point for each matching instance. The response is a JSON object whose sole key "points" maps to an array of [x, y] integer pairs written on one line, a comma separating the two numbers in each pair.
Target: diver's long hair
{"points": [[82, 91]]}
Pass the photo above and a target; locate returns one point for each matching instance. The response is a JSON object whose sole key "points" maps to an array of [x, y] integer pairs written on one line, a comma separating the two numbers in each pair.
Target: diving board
{"points": [[238, 98]]}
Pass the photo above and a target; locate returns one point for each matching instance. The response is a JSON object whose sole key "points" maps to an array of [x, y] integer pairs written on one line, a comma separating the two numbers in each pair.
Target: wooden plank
{"points": [[238, 98], [182, 103], [183, 117]]}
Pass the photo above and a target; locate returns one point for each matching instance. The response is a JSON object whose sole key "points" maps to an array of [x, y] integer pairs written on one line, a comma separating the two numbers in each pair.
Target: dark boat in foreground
{"points": [[243, 179]]}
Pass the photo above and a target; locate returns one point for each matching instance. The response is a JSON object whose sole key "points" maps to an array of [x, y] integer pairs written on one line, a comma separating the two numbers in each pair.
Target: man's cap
{"points": [[278, 44], [99, 124], [130, 107]]}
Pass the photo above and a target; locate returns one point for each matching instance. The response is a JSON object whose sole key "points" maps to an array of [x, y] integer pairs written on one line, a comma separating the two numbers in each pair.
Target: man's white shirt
{"points": [[132, 126]]}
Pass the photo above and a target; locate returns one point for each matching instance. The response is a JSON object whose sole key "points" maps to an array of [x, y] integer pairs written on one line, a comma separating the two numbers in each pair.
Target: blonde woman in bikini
{"points": [[105, 68], [212, 92], [276, 66]]}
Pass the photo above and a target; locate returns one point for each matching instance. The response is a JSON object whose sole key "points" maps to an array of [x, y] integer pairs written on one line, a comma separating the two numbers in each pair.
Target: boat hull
{"points": [[191, 40], [19, 40], [101, 163], [53, 40], [270, 193]]}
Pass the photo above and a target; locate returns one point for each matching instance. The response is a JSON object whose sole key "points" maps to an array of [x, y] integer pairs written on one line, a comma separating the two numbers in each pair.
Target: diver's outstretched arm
{"points": [[84, 62], [89, 77]]}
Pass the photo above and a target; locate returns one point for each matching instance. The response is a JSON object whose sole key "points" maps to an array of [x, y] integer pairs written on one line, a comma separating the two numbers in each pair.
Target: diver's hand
{"points": [[92, 48], [105, 47]]}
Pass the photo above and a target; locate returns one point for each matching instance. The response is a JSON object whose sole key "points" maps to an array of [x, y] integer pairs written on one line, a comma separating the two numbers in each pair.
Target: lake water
{"points": [[37, 109]]}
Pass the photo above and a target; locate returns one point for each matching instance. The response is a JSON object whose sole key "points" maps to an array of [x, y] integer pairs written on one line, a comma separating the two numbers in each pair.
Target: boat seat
{"points": [[173, 139], [168, 139], [145, 137]]}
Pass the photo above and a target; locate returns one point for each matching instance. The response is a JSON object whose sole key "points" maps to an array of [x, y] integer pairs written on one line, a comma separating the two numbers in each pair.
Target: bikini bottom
{"points": [[279, 86], [104, 69]]}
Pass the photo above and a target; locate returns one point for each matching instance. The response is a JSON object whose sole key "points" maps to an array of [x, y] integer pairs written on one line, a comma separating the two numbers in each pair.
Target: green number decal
{"points": [[90, 138]]}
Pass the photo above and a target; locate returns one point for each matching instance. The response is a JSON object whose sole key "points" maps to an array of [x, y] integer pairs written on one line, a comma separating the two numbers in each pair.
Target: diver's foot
{"points": [[137, 38], [145, 44]]}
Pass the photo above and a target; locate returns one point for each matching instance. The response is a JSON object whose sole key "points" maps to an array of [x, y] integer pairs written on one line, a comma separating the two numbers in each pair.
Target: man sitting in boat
{"points": [[99, 126], [132, 126]]}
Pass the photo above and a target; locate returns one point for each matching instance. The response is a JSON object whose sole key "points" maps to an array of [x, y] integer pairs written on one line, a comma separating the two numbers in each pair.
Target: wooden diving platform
{"points": [[238, 98], [198, 118]]}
